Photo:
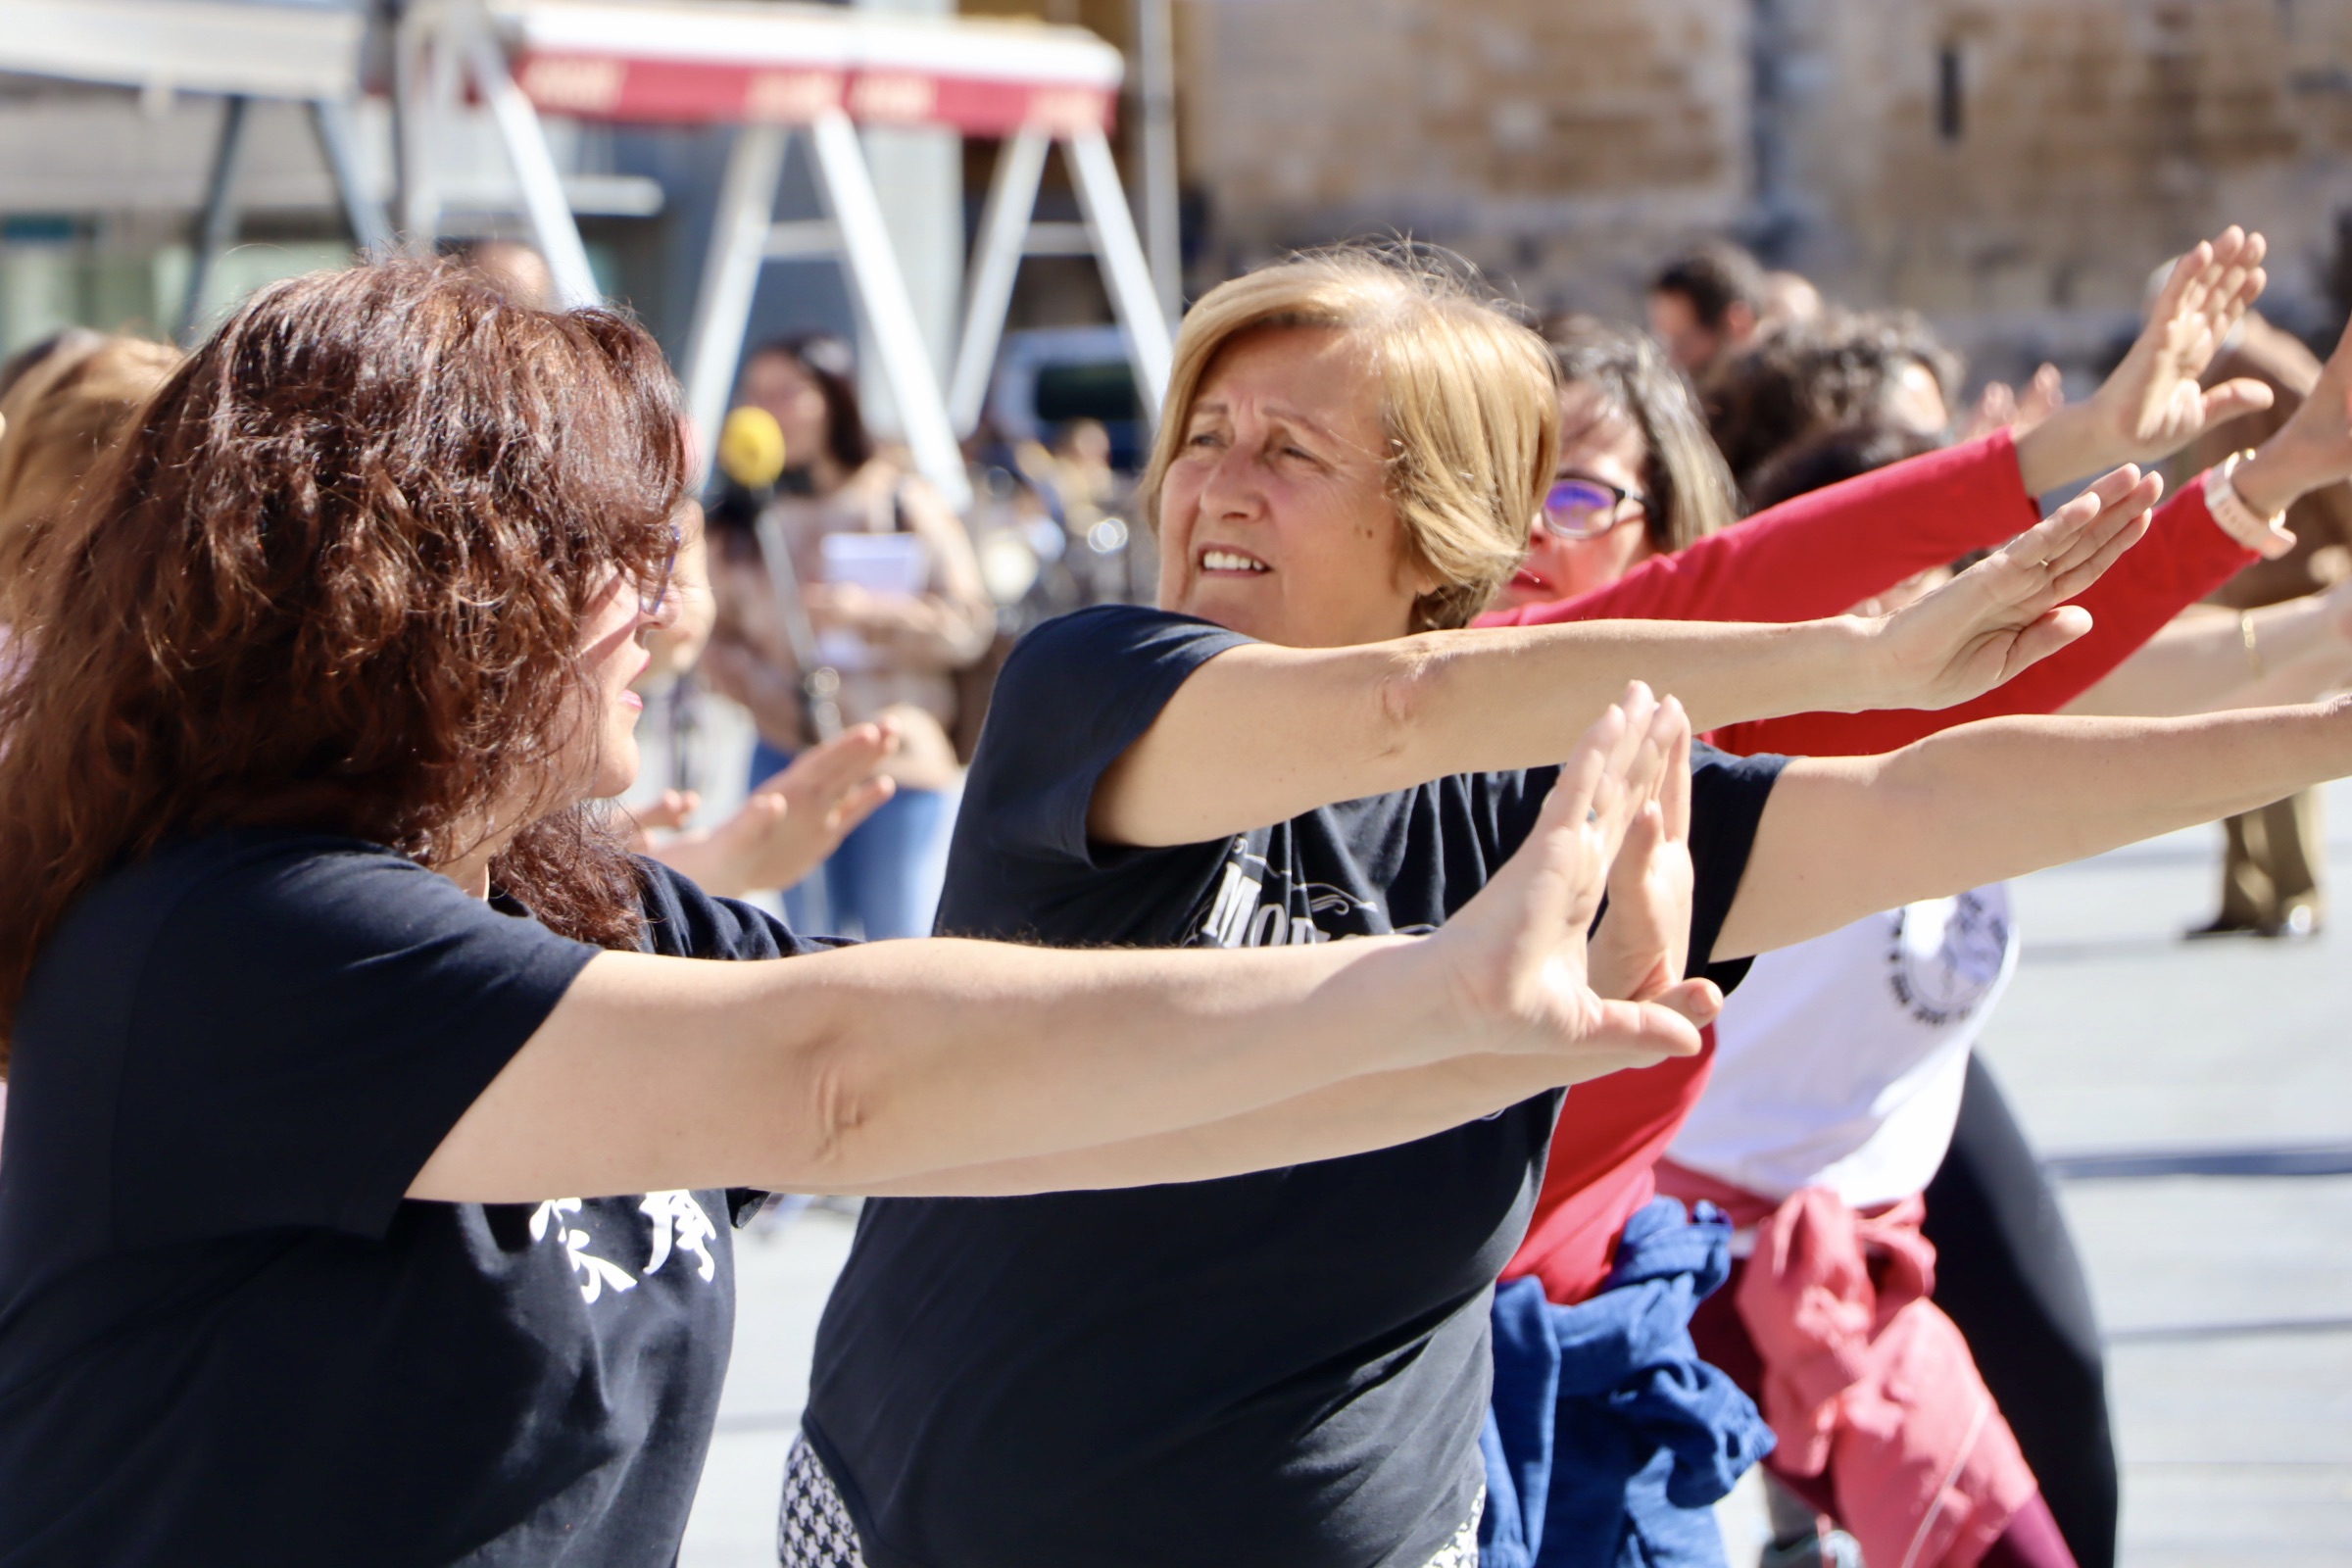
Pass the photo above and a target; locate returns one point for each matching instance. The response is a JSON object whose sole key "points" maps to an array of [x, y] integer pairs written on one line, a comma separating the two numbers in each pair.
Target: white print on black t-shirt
{"points": [[1943, 955], [1240, 916], [680, 1221], [679, 1224]]}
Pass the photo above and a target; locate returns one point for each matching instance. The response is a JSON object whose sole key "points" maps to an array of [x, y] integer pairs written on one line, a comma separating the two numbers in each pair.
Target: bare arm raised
{"points": [[845, 1071], [1324, 725]]}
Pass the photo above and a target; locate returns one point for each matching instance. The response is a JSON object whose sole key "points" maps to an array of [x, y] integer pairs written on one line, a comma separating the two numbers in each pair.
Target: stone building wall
{"points": [[2014, 167], [1564, 144]]}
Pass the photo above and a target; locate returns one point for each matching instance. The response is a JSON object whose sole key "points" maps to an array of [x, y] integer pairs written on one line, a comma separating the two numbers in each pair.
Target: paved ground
{"points": [[2230, 1299]]}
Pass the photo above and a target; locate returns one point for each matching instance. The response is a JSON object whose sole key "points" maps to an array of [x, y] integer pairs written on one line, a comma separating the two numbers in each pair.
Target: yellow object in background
{"points": [[751, 447]]}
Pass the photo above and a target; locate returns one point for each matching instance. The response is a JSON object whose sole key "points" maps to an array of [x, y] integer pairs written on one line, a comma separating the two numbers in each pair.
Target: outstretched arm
{"points": [[1824, 552], [1319, 725], [1382, 1109], [2187, 555], [848, 1070], [1843, 837], [2210, 659]]}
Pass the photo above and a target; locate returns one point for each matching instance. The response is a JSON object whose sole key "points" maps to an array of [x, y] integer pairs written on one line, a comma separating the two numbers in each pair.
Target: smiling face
{"points": [[1598, 441], [1275, 517]]}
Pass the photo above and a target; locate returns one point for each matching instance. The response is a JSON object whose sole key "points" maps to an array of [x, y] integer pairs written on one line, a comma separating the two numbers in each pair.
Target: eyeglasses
{"points": [[1580, 507], [649, 602]]}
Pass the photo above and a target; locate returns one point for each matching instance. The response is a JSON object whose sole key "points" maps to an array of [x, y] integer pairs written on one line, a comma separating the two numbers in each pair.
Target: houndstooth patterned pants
{"points": [[813, 1527]]}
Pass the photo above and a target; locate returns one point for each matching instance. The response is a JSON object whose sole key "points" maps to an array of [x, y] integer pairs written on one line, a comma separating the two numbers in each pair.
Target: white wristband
{"points": [[2262, 535]]}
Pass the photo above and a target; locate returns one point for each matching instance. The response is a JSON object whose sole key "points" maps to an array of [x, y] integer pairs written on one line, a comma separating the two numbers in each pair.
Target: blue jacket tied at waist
{"points": [[1609, 1439]]}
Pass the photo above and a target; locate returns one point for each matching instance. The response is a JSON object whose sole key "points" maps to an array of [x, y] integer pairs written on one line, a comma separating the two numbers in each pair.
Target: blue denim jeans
{"points": [[884, 879]]}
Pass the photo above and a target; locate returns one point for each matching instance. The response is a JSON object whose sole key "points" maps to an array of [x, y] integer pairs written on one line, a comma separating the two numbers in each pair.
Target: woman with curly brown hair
{"points": [[323, 987]]}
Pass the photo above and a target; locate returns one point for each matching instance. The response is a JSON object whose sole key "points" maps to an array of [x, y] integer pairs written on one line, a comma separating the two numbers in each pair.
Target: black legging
{"points": [[2007, 1273]]}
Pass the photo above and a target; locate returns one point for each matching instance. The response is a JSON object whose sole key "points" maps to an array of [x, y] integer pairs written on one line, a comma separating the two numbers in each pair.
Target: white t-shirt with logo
{"points": [[1839, 1062]]}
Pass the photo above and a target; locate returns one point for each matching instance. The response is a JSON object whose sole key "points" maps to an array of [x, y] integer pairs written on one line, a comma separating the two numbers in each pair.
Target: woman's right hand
{"points": [[1516, 954]]}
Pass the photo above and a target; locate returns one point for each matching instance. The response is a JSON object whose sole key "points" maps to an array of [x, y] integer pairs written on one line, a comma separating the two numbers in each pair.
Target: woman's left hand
{"points": [[1517, 953], [2010, 610], [1644, 938]]}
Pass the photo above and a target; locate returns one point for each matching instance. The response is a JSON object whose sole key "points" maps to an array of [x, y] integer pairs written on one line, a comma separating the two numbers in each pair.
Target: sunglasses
{"points": [[1580, 507], [649, 601]]}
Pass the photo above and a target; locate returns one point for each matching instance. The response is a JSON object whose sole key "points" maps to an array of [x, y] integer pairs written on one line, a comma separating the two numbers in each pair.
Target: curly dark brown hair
{"points": [[1809, 378], [335, 578]]}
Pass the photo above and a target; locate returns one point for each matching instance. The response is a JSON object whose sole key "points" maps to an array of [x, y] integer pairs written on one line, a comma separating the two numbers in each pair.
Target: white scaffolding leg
{"points": [[338, 143], [1004, 232], [881, 289], [1124, 269], [425, 70], [525, 142], [1156, 91], [746, 202]]}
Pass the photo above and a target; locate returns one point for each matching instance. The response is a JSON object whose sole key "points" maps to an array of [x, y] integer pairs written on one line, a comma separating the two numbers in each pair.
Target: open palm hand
{"points": [[2010, 610], [2152, 403], [1517, 953]]}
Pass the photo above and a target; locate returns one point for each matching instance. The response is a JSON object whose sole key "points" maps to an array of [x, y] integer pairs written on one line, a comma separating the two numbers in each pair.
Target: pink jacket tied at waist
{"points": [[1866, 1379]]}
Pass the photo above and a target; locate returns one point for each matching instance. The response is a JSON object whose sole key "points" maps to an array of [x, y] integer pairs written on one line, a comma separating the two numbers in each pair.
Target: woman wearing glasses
{"points": [[374, 1122], [1638, 476], [1865, 1108]]}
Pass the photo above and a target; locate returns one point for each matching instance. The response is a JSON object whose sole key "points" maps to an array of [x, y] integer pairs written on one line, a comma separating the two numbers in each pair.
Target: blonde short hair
{"points": [[65, 412], [1468, 397]]}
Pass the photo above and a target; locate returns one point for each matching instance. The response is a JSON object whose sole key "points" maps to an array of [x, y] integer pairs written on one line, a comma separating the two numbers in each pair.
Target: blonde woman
{"points": [[1297, 746]]}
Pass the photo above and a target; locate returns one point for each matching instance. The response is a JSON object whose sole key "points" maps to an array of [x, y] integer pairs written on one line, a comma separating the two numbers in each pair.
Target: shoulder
{"points": [[1123, 635], [682, 921], [1719, 771], [1095, 679], [255, 930], [267, 884]]}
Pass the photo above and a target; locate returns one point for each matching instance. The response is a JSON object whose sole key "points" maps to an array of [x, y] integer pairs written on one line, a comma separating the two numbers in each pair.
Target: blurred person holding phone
{"points": [[892, 591]]}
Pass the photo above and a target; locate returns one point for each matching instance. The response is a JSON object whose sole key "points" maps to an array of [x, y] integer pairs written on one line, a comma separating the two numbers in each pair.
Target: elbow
{"points": [[1407, 694], [831, 1126]]}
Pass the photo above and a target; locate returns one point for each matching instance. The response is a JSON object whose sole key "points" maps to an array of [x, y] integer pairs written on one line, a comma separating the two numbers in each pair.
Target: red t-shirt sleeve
{"points": [[1824, 552], [2185, 557]]}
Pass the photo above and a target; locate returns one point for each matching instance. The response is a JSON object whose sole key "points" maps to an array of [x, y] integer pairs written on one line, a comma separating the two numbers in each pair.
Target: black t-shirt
{"points": [[1288, 1368], [225, 1336]]}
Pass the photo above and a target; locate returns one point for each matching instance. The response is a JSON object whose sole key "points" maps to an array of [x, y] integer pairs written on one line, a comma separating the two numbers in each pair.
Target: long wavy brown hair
{"points": [[334, 579]]}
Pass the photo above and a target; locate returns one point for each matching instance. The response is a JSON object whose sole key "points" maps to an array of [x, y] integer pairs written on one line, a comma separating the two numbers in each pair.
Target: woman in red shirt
{"points": [[1624, 461]]}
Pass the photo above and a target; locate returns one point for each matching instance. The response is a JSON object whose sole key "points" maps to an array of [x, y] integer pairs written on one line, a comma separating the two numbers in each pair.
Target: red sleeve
{"points": [[2184, 558], [1820, 554]]}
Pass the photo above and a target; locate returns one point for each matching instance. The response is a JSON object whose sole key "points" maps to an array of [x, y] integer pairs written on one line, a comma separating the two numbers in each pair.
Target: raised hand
{"points": [[2153, 406], [792, 821], [2010, 610], [1516, 954], [2313, 449], [1639, 952]]}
